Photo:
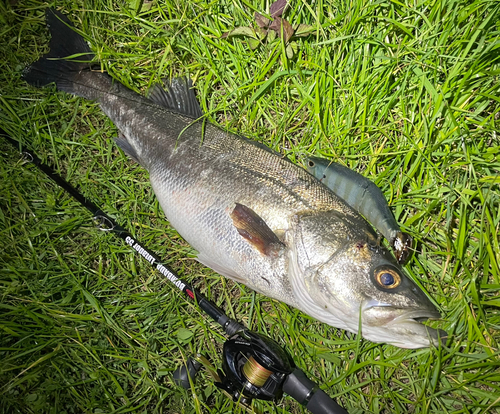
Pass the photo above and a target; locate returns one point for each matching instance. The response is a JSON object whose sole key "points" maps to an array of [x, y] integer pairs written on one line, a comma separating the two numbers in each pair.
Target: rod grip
{"points": [[306, 392]]}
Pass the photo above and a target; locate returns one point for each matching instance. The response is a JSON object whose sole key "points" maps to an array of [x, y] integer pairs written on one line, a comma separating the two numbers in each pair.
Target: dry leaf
{"points": [[277, 8], [282, 28], [261, 21]]}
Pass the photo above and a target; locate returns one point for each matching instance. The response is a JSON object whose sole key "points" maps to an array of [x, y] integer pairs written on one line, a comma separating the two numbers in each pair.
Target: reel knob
{"points": [[184, 372]]}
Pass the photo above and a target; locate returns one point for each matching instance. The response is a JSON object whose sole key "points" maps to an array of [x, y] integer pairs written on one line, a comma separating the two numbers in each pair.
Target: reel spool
{"points": [[254, 366]]}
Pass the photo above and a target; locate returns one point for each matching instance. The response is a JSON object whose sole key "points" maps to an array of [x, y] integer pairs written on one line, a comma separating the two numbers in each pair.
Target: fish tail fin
{"points": [[68, 58]]}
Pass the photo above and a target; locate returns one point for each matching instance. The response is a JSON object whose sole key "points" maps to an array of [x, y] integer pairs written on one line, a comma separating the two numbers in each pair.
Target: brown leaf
{"points": [[287, 30], [261, 21], [276, 25], [277, 8], [282, 28]]}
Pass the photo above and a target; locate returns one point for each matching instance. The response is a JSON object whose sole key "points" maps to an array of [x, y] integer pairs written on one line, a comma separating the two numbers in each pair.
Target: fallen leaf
{"points": [[277, 8], [282, 28], [261, 21]]}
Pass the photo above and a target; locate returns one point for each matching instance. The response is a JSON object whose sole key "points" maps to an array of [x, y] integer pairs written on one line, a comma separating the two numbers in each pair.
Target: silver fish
{"points": [[365, 197], [252, 215]]}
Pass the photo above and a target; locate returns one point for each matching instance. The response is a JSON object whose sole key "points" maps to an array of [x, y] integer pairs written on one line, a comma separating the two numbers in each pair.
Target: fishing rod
{"points": [[254, 366]]}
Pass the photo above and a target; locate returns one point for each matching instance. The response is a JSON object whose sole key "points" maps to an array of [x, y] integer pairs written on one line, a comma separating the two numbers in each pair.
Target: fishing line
{"points": [[254, 366], [255, 373]]}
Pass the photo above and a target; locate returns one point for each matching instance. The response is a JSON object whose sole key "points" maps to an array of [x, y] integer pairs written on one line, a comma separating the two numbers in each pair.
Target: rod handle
{"points": [[306, 392]]}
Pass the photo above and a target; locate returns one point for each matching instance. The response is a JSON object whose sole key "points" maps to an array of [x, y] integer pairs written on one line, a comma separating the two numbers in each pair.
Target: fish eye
{"points": [[311, 163], [387, 277]]}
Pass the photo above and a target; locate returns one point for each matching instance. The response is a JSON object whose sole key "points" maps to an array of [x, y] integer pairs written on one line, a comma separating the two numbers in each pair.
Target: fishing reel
{"points": [[253, 367], [256, 367]]}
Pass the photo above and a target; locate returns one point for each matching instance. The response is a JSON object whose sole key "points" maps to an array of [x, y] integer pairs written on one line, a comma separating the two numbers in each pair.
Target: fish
{"points": [[251, 214], [365, 197]]}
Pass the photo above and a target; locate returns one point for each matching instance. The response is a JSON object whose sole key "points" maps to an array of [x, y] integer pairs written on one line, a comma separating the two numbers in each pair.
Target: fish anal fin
{"points": [[122, 141], [255, 230], [178, 96]]}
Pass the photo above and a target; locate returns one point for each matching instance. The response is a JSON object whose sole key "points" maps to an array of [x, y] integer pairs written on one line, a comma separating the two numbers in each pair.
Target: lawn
{"points": [[405, 93]]}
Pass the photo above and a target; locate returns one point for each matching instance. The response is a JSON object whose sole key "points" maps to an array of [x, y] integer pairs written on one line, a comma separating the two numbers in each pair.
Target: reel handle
{"points": [[307, 393], [182, 374]]}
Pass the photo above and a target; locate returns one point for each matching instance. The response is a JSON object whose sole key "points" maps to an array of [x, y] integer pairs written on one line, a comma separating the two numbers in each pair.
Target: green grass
{"points": [[406, 94]]}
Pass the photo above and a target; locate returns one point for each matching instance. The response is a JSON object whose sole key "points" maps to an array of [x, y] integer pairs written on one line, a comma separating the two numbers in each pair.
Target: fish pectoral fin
{"points": [[122, 141], [179, 97], [255, 230]]}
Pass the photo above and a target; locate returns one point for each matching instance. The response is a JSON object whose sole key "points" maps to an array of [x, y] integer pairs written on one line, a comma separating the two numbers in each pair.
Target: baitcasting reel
{"points": [[254, 366], [257, 367]]}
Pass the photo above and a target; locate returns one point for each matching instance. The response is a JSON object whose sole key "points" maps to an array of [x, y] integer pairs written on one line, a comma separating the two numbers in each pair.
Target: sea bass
{"points": [[252, 215], [366, 198]]}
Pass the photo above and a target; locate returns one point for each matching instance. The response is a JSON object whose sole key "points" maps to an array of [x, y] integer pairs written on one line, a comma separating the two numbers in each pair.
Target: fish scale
{"points": [[252, 215]]}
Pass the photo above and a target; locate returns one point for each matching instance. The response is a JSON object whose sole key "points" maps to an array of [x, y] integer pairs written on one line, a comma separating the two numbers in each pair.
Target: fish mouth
{"points": [[405, 328], [412, 324], [417, 316]]}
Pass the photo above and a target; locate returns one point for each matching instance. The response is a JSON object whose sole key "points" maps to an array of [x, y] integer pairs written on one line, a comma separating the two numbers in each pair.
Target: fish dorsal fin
{"points": [[255, 230], [178, 96]]}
